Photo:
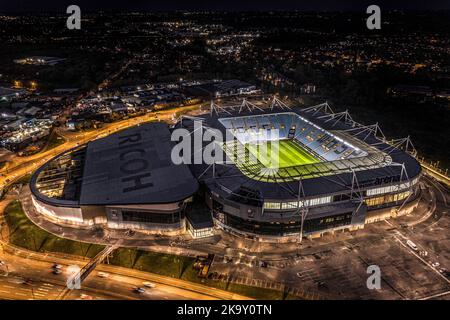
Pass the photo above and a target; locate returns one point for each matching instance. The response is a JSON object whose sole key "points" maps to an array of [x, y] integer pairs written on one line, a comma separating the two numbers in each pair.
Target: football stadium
{"points": [[290, 172], [279, 174]]}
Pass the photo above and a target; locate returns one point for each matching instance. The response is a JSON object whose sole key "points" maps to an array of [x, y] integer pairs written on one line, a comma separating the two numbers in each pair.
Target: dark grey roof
{"points": [[210, 88], [199, 215], [134, 167]]}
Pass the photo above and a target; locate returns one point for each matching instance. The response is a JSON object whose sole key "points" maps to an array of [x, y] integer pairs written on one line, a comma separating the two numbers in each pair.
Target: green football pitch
{"points": [[289, 154]]}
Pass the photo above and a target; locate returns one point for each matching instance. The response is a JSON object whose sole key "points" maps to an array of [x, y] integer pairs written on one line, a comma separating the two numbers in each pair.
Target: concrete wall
{"points": [[58, 214]]}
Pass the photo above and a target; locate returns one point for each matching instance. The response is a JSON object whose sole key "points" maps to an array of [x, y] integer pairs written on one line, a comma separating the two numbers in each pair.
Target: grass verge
{"points": [[25, 234], [182, 268]]}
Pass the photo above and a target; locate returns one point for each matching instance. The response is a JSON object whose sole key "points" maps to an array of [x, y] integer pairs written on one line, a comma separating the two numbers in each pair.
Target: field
{"points": [[264, 163], [289, 154]]}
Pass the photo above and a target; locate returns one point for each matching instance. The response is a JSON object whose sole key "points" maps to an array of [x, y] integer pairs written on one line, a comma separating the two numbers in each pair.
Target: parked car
{"points": [[412, 245], [139, 290], [148, 284]]}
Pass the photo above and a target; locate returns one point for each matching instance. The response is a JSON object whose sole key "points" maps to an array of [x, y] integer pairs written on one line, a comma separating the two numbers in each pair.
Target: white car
{"points": [[139, 290], [412, 245], [148, 284], [103, 275]]}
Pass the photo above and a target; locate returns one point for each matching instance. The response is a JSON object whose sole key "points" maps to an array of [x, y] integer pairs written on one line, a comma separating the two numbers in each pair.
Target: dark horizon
{"points": [[220, 5]]}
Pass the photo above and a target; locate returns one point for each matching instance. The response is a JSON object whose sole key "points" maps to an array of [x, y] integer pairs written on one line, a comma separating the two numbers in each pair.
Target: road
{"points": [[17, 265], [45, 285], [435, 174]]}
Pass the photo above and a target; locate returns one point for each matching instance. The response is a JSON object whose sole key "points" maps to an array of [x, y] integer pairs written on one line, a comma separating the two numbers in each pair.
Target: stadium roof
{"points": [[134, 167]]}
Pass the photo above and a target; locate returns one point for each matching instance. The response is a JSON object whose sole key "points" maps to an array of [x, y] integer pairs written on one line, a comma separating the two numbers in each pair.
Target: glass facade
{"points": [[392, 188], [287, 228], [150, 217], [201, 233], [342, 197], [380, 196], [388, 198], [296, 204]]}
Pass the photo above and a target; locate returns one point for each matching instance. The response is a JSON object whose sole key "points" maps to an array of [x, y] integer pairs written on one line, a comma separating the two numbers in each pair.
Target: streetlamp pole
{"points": [[303, 210], [32, 292], [304, 213]]}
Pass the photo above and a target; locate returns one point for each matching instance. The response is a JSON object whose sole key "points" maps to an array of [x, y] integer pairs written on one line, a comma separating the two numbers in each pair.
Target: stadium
{"points": [[329, 173], [286, 173]]}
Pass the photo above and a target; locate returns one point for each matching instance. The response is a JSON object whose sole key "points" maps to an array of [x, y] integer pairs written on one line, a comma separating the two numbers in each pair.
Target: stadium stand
{"points": [[321, 143]]}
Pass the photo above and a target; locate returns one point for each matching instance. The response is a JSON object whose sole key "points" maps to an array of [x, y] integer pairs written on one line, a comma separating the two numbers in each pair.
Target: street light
{"points": [[33, 85]]}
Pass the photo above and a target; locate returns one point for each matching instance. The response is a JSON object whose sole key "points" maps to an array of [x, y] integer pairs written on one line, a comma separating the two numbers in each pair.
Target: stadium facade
{"points": [[334, 174]]}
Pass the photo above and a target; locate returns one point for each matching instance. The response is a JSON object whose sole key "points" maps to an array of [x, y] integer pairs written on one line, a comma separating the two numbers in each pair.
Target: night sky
{"points": [[228, 5]]}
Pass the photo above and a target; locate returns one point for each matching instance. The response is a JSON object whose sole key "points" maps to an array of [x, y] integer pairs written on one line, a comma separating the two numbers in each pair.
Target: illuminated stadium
{"points": [[328, 172], [285, 173], [305, 150]]}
